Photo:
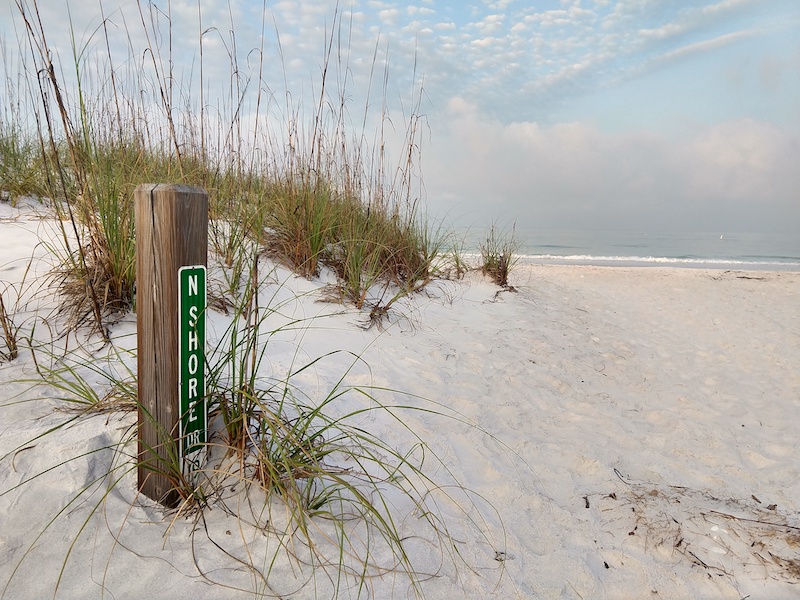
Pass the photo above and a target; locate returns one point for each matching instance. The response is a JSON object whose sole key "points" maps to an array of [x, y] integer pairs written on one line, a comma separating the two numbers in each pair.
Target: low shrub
{"points": [[499, 254]]}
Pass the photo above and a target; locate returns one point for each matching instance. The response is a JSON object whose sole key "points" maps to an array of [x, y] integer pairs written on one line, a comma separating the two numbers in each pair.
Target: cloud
{"points": [[388, 16], [420, 10], [743, 160], [556, 53], [707, 45], [483, 42], [490, 24], [736, 175]]}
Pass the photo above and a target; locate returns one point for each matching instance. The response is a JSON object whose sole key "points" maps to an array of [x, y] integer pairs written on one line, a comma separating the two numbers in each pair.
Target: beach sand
{"points": [[624, 432]]}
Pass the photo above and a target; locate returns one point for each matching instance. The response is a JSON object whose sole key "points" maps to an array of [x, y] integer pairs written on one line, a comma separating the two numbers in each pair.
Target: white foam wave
{"points": [[590, 259]]}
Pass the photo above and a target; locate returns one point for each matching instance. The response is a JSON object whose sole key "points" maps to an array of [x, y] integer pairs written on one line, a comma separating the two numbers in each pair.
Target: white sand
{"points": [[636, 437]]}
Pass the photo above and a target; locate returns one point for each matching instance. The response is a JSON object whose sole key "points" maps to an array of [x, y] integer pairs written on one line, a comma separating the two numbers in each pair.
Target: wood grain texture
{"points": [[171, 232]]}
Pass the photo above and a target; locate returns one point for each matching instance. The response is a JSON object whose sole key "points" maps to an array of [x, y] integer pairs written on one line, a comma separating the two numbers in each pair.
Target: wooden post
{"points": [[171, 232]]}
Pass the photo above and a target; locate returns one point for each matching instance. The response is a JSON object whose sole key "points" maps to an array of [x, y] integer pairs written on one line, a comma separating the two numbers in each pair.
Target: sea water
{"points": [[717, 250]]}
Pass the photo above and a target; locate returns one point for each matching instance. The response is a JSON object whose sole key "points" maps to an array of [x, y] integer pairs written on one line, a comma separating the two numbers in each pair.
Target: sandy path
{"points": [[682, 380]]}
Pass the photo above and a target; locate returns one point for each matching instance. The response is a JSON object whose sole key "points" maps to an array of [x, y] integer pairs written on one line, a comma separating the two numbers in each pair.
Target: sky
{"points": [[635, 115]]}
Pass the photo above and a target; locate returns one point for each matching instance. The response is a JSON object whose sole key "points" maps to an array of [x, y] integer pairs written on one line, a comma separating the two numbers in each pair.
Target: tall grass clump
{"points": [[302, 224], [499, 254], [316, 470], [20, 165], [8, 333], [21, 170]]}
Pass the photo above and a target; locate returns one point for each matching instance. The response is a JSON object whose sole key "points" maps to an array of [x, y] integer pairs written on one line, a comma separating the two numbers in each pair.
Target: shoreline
{"points": [[746, 273], [661, 262]]}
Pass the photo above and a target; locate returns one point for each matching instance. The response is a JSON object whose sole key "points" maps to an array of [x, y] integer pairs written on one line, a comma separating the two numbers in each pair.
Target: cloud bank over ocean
{"points": [[725, 176]]}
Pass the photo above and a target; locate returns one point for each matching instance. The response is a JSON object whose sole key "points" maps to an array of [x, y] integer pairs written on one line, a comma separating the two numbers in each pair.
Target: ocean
{"points": [[719, 250]]}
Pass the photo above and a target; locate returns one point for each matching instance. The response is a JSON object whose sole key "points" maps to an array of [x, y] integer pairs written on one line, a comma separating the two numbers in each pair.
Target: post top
{"points": [[169, 187]]}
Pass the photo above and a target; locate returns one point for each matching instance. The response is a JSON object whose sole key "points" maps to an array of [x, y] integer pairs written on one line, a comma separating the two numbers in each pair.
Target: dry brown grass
{"points": [[8, 333]]}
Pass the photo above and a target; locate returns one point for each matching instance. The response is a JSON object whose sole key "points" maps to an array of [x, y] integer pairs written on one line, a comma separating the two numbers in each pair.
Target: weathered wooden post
{"points": [[171, 232]]}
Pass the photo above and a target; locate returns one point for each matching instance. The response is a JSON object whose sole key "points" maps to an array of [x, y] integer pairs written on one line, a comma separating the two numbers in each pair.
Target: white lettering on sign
{"points": [[193, 409], [193, 340], [193, 363], [192, 390], [192, 405], [193, 438]]}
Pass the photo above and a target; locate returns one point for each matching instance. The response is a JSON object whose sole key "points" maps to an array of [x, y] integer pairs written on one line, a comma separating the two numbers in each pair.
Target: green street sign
{"points": [[193, 426]]}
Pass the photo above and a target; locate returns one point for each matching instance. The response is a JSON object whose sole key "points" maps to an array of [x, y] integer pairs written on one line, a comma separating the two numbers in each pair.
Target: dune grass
{"points": [[296, 465], [499, 253], [8, 333], [312, 199], [308, 200]]}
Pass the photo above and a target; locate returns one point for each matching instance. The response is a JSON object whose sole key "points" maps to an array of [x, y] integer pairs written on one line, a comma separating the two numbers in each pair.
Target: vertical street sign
{"points": [[193, 409], [171, 232]]}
